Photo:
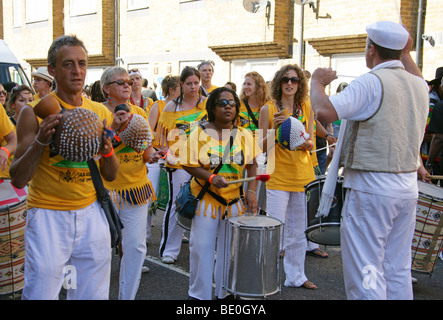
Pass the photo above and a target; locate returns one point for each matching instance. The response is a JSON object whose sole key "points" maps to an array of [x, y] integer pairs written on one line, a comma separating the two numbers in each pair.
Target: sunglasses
{"points": [[223, 103], [3, 93], [292, 79], [122, 82]]}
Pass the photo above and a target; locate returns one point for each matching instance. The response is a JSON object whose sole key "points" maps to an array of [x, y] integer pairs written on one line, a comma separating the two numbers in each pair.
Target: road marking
{"points": [[168, 266]]}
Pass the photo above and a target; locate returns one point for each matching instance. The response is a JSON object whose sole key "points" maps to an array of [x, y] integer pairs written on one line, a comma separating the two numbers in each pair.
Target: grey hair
{"points": [[66, 40], [107, 76], [204, 63]]}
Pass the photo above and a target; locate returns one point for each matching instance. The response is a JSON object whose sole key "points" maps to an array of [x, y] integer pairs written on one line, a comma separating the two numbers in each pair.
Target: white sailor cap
{"points": [[388, 34]]}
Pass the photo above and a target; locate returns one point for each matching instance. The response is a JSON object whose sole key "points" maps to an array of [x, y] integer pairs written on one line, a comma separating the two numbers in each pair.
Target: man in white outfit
{"points": [[385, 110]]}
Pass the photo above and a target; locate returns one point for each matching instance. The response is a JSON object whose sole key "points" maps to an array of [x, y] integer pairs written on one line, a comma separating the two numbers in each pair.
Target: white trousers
{"points": [[207, 238], [172, 233], [154, 177], [134, 219], [290, 208], [376, 238], [69, 248]]}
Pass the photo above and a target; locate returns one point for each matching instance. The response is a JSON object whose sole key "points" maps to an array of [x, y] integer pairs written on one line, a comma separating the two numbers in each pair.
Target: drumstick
{"points": [[324, 147], [436, 177], [261, 177]]}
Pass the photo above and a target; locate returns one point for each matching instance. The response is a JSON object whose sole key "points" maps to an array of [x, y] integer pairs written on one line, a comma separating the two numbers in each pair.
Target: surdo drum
{"points": [[324, 230], [12, 237], [428, 235], [252, 255]]}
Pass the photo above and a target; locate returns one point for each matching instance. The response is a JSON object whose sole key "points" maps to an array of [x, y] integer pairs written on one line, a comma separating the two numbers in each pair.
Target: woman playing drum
{"points": [[207, 144], [290, 170]]}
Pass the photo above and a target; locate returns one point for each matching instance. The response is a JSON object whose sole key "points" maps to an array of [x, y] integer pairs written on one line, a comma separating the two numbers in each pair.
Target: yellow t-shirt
{"points": [[174, 128], [289, 170], [132, 185], [207, 152], [212, 88], [59, 184], [6, 127], [147, 105], [161, 106], [245, 120]]}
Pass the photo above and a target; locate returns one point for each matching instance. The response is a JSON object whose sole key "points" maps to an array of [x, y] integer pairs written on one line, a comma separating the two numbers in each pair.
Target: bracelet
{"points": [[41, 143], [310, 146], [252, 191], [109, 154], [211, 177], [5, 150]]}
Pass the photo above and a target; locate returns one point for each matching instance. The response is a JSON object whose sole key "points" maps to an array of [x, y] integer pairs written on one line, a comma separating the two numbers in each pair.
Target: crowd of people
{"points": [[382, 113]]}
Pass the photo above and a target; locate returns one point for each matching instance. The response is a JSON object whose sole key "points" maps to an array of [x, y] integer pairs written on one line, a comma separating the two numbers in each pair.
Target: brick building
{"points": [[162, 36]]}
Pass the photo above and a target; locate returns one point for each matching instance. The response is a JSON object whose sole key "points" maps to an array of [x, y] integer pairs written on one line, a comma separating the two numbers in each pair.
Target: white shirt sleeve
{"points": [[360, 99]]}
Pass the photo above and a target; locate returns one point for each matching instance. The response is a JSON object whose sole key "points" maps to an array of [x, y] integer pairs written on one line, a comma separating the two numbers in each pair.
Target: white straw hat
{"points": [[43, 73]]}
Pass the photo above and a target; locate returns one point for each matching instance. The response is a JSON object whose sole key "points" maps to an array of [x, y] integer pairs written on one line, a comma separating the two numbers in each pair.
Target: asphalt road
{"points": [[170, 282], [165, 286]]}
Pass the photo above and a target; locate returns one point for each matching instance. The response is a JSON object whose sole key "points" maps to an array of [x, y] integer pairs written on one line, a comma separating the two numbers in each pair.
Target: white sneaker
{"points": [[145, 269], [168, 260]]}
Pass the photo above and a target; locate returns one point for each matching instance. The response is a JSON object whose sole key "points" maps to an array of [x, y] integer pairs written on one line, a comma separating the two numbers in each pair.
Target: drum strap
{"points": [[227, 151], [250, 113]]}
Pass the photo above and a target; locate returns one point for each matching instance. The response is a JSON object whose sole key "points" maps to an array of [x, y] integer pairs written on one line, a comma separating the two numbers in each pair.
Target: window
{"points": [[37, 10], [266, 68], [138, 4], [348, 67], [17, 10], [82, 7]]}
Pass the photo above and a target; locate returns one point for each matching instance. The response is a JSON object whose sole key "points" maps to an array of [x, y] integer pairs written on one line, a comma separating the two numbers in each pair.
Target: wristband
{"points": [[41, 143], [5, 150], [310, 146], [211, 177], [109, 154], [252, 191], [329, 134]]}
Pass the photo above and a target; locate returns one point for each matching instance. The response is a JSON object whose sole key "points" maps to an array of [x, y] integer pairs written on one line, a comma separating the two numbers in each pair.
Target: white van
{"points": [[10, 68]]}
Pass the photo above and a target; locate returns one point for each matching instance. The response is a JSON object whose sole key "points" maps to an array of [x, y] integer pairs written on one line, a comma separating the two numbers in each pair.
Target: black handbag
{"points": [[185, 202], [103, 197]]}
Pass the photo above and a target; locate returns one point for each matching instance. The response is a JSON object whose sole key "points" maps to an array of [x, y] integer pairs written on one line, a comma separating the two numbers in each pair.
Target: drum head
{"points": [[258, 221], [326, 235], [183, 222], [324, 230], [430, 190]]}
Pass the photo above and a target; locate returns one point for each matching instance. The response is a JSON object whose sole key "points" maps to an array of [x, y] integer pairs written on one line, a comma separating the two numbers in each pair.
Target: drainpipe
{"points": [[300, 40], [117, 33], [419, 40]]}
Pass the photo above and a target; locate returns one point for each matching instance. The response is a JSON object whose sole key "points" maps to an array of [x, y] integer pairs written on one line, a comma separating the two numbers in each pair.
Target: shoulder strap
{"points": [[217, 169], [251, 114], [102, 194]]}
